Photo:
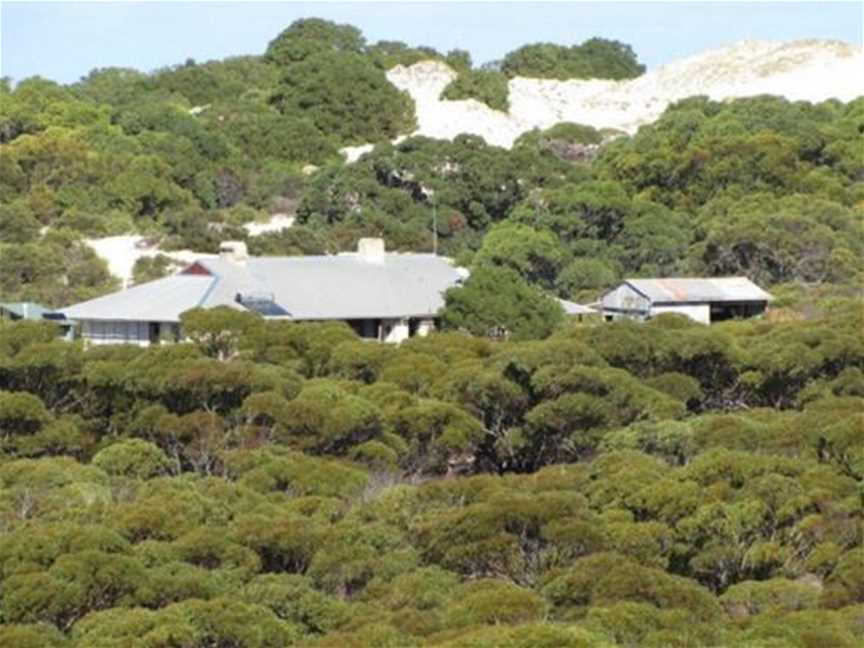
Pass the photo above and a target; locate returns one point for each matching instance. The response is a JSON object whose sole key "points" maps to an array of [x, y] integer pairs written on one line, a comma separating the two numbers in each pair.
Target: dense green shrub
{"points": [[346, 96], [518, 481], [487, 86], [596, 58]]}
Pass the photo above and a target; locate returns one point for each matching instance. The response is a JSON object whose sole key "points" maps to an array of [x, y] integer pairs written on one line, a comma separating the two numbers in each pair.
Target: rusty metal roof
{"points": [[700, 290]]}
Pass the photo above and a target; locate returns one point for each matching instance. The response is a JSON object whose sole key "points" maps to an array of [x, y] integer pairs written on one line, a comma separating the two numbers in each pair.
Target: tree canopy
{"points": [[515, 479]]}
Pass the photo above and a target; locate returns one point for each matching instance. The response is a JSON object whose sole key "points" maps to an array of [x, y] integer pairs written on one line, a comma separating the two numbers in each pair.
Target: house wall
{"points": [[391, 331], [698, 312], [425, 327], [117, 332], [394, 331], [124, 332]]}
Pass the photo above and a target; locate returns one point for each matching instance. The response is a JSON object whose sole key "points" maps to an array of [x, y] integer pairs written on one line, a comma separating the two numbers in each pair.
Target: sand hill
{"points": [[812, 70]]}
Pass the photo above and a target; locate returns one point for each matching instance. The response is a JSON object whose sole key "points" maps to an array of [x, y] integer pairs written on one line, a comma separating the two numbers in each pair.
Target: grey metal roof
{"points": [[162, 300], [572, 308], [25, 310], [345, 286], [719, 289]]}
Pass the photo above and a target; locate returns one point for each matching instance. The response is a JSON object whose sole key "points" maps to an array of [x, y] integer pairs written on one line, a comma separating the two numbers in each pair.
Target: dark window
{"points": [[725, 311], [365, 328]]}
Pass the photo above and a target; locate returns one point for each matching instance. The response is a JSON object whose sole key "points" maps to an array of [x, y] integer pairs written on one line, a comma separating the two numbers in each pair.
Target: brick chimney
{"points": [[234, 251]]}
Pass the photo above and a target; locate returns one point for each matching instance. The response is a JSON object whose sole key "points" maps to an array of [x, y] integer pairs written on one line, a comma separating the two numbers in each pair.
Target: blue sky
{"points": [[65, 40]]}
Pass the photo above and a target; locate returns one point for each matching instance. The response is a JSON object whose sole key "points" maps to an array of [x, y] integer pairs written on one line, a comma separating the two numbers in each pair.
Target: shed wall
{"points": [[625, 298], [698, 312]]}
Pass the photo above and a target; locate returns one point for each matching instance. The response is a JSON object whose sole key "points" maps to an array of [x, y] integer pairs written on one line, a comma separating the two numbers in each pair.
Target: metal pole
{"points": [[434, 226]]}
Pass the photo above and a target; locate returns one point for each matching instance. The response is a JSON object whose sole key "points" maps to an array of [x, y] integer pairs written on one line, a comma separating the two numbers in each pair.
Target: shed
{"points": [[704, 300]]}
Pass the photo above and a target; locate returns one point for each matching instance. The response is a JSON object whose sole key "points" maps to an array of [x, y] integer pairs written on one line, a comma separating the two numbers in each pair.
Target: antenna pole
{"points": [[434, 226]]}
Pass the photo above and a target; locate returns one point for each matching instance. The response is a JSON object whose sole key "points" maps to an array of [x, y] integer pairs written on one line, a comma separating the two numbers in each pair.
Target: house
{"points": [[383, 296], [703, 300], [17, 311]]}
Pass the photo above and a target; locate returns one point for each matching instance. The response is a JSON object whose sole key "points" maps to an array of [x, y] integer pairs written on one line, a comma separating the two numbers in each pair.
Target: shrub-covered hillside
{"points": [[758, 186], [271, 484], [665, 484]]}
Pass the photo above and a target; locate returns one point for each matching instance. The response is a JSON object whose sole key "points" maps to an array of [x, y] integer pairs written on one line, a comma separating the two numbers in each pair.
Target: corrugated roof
{"points": [[344, 286], [25, 310], [719, 289], [162, 300]]}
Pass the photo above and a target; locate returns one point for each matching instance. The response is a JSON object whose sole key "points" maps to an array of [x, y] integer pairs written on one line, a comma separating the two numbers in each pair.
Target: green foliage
{"points": [[536, 255], [769, 200], [345, 95], [151, 268], [186, 516], [474, 185], [389, 54], [310, 36], [487, 86], [58, 270], [596, 58], [262, 134], [217, 331], [497, 302], [574, 143], [132, 458], [275, 484]]}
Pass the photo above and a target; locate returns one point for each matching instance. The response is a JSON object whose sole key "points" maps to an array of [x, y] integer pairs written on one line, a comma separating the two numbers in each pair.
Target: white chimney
{"points": [[371, 249], [234, 251]]}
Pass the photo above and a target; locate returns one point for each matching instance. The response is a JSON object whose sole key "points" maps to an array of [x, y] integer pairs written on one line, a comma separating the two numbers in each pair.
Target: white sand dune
{"points": [[121, 253], [812, 70], [277, 223]]}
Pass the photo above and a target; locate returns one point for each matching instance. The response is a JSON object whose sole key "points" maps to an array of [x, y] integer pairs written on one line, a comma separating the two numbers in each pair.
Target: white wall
{"points": [[698, 312], [394, 331], [121, 332], [624, 298], [425, 327]]}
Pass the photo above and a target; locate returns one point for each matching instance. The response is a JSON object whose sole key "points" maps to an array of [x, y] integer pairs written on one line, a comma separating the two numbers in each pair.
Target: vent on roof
{"points": [[234, 251]]}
